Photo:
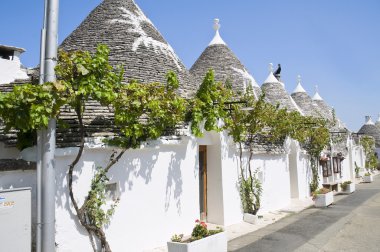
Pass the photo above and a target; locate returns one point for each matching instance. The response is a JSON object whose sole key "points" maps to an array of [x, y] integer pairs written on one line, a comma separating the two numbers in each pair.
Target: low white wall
{"points": [[159, 196]]}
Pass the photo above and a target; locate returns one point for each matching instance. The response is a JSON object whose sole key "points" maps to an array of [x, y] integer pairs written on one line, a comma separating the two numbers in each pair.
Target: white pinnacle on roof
{"points": [[378, 119], [316, 96], [299, 88], [271, 78], [369, 121], [217, 40]]}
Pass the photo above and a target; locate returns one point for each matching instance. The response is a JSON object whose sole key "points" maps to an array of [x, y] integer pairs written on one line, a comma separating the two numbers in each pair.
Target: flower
{"points": [[199, 231], [203, 224]]}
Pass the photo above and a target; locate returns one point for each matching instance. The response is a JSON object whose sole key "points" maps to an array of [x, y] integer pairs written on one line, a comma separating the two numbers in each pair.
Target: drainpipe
{"points": [[48, 143], [39, 138]]}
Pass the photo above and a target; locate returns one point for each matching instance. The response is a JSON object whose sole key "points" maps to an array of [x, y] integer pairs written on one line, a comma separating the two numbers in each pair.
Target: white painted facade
{"points": [[10, 69], [158, 196], [159, 188], [299, 172]]}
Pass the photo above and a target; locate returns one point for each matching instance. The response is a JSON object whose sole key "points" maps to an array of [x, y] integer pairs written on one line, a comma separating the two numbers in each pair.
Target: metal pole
{"points": [[40, 139], [48, 146]]}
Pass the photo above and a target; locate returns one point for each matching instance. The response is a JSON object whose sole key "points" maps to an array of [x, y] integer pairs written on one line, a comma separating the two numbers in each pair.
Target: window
{"points": [[337, 164], [326, 168], [6, 54]]}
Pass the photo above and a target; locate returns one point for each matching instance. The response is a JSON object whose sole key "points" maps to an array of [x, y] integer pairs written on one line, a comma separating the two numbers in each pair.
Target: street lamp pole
{"points": [[47, 141]]}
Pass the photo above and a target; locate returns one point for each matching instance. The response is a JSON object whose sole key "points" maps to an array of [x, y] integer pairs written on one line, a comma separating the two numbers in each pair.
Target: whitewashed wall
{"points": [[159, 196], [304, 175], [300, 172], [275, 178], [230, 167], [159, 188], [10, 70]]}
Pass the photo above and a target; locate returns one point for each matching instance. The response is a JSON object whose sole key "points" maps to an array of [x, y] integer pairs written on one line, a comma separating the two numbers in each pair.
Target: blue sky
{"points": [[331, 43]]}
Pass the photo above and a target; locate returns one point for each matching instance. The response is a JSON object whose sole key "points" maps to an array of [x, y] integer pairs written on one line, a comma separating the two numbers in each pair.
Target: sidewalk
{"points": [[243, 228], [350, 224], [240, 229]]}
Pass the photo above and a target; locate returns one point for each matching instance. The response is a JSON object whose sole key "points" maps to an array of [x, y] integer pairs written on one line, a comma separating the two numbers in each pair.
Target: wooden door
{"points": [[203, 182]]}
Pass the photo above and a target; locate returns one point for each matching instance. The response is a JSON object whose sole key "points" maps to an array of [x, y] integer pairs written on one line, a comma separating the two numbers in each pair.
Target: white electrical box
{"points": [[15, 220]]}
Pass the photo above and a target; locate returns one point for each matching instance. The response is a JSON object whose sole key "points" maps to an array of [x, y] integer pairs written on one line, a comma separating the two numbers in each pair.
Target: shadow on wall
{"points": [[63, 189], [134, 165], [174, 179]]}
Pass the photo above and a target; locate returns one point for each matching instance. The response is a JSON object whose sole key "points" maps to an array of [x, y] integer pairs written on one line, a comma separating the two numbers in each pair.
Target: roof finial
{"points": [[299, 88], [316, 96], [270, 68], [216, 24], [217, 39]]}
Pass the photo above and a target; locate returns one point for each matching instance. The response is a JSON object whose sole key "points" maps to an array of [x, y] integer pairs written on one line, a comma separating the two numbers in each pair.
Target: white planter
{"points": [[216, 242], [324, 200], [367, 179], [349, 189], [250, 218]]}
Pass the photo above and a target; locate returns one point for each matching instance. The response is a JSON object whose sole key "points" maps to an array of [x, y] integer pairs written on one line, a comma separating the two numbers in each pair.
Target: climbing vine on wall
{"points": [[208, 108]]}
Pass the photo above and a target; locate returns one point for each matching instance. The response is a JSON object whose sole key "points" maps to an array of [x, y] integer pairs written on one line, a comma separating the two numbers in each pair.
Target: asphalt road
{"points": [[352, 223]]}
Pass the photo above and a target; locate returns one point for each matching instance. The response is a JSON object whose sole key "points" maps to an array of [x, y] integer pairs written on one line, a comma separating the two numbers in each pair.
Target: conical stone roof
{"points": [[276, 94], [227, 67], [134, 42], [304, 101], [370, 129], [326, 110]]}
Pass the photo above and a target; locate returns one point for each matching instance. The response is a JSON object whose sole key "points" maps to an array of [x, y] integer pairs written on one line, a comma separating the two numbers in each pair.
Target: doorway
{"points": [[203, 182]]}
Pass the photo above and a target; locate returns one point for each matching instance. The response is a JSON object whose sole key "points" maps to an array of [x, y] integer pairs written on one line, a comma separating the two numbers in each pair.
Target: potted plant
{"points": [[368, 178], [323, 197], [201, 240], [347, 187]]}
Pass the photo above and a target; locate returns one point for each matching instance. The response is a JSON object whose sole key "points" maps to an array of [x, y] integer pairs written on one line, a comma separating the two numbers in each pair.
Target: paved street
{"points": [[351, 224]]}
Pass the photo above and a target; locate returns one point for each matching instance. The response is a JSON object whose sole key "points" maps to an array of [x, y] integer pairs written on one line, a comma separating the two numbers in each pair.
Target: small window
{"points": [[326, 168], [337, 165], [112, 191]]}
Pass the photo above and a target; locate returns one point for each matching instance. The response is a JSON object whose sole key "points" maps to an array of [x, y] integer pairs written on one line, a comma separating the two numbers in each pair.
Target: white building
{"points": [[169, 183], [10, 65]]}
